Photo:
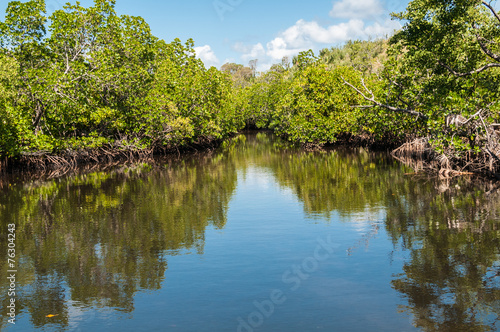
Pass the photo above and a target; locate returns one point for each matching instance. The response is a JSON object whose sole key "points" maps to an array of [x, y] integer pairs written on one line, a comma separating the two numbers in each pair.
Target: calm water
{"points": [[256, 236]]}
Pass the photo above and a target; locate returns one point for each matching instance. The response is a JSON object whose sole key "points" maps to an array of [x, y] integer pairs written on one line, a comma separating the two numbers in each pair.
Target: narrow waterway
{"points": [[255, 236]]}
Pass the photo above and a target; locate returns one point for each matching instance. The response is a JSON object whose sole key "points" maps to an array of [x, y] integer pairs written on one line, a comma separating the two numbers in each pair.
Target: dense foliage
{"points": [[310, 102], [83, 79], [446, 68], [434, 83], [86, 78]]}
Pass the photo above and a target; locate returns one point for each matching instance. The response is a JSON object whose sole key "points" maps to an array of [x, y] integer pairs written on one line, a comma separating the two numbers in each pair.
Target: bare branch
{"points": [[364, 86], [478, 113], [364, 106], [485, 129], [451, 70], [399, 97], [473, 116], [61, 94], [376, 103]]}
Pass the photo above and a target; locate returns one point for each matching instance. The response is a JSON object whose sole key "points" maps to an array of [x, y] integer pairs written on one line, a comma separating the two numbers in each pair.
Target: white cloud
{"points": [[257, 51], [306, 35], [366, 19], [207, 55], [356, 9], [278, 48]]}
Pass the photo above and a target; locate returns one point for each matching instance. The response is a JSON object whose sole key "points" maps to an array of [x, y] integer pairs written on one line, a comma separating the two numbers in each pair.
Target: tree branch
{"points": [[400, 92], [487, 51], [484, 48], [451, 70], [376, 103], [364, 106], [478, 113], [491, 9]]}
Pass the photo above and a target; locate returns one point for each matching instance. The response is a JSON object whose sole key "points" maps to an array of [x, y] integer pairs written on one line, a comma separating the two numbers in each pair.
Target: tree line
{"points": [[86, 82], [432, 89]]}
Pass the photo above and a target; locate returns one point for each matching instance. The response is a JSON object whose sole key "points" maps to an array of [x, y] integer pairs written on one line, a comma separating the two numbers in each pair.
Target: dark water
{"points": [[256, 236]]}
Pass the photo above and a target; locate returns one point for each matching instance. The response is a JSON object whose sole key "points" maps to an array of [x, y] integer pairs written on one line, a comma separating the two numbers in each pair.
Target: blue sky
{"points": [[242, 30]]}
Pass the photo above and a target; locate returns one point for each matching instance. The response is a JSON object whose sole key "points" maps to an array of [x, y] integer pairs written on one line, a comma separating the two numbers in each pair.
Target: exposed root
{"points": [[450, 173], [311, 147], [417, 149], [4, 164], [421, 156], [69, 160]]}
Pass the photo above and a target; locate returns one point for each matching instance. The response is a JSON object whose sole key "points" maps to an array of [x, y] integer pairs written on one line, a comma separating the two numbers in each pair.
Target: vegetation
{"points": [[449, 78], [434, 86], [364, 56], [85, 83], [85, 79]]}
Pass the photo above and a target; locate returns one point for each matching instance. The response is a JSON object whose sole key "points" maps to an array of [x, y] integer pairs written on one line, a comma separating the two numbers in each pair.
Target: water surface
{"points": [[255, 236]]}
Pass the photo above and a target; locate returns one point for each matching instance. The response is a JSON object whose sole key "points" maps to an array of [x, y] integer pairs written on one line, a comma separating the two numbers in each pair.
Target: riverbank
{"points": [[416, 154], [144, 96], [104, 156]]}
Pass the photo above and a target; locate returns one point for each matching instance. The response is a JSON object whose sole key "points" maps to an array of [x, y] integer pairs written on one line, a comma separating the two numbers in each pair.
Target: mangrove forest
{"points": [[87, 85], [351, 187]]}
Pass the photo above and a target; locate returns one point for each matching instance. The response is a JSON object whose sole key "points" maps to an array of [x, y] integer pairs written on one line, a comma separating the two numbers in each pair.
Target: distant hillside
{"points": [[365, 56]]}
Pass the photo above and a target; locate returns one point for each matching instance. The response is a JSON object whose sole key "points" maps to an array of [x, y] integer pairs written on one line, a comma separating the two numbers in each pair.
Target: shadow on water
{"points": [[95, 240]]}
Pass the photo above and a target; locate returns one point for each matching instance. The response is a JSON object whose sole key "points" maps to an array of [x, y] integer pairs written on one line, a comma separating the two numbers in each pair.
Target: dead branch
{"points": [[376, 103], [476, 71]]}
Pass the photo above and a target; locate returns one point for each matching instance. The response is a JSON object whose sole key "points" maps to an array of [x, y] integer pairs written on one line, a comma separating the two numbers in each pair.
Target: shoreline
{"points": [[102, 157], [39, 164]]}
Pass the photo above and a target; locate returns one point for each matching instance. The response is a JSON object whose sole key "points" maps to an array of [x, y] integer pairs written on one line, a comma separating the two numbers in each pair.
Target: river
{"points": [[254, 236]]}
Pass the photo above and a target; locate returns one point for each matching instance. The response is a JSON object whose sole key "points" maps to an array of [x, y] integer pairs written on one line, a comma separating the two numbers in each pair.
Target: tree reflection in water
{"points": [[96, 239], [99, 238]]}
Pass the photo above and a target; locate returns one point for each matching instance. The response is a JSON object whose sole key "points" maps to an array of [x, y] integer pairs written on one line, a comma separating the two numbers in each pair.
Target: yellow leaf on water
{"points": [[50, 316]]}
